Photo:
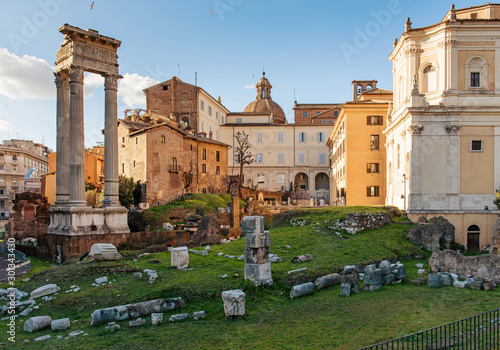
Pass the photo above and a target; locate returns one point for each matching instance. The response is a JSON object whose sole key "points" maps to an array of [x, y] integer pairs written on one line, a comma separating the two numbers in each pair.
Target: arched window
{"points": [[473, 233], [368, 88], [398, 156], [359, 89], [476, 73], [336, 114], [429, 79], [162, 138], [174, 164], [186, 120]]}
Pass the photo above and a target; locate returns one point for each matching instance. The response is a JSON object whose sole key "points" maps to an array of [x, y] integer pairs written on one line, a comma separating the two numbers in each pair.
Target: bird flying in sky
{"points": [[92, 5]]}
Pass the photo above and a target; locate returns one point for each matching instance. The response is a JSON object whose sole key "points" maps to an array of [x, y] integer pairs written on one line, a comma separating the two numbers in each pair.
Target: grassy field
{"points": [[324, 320]]}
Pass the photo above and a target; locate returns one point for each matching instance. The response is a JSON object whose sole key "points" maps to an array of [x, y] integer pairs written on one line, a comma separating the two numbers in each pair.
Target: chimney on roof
{"points": [[407, 24], [210, 134]]}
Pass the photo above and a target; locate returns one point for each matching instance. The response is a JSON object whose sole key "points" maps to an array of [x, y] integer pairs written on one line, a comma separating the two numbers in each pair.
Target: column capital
{"points": [[76, 74], [111, 81], [61, 79]]}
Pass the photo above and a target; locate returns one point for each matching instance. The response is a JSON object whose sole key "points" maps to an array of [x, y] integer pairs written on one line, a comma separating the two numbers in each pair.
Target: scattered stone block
{"points": [[434, 280], [460, 284], [156, 318], [207, 248], [168, 226], [489, 286], [390, 279], [302, 290], [37, 323], [257, 243], [112, 326], [26, 311], [138, 275], [420, 271], [374, 287], [75, 333], [302, 258], [477, 285], [351, 277], [446, 280], [179, 317], [419, 265], [44, 290], [234, 302], [203, 252], [104, 252], [137, 323], [101, 280], [298, 270], [220, 254], [198, 315], [327, 281], [385, 266], [60, 325], [345, 289], [45, 337], [179, 258], [46, 298], [125, 312], [152, 278], [375, 276], [355, 288]]}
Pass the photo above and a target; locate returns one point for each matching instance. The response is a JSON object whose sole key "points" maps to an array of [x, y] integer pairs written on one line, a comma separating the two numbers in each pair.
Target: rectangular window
{"points": [[239, 120], [202, 126], [14, 157], [209, 110], [165, 87], [2, 191], [222, 119], [321, 137], [261, 178], [474, 80], [237, 158], [372, 191], [136, 140], [476, 145], [2, 167], [204, 168], [259, 158], [123, 168], [280, 158], [318, 112], [217, 170], [374, 120], [321, 158], [281, 179], [280, 137], [202, 105], [372, 167], [301, 158], [2, 204], [217, 156], [304, 114], [302, 137], [217, 135], [374, 142], [260, 137], [216, 115], [324, 122], [204, 154]]}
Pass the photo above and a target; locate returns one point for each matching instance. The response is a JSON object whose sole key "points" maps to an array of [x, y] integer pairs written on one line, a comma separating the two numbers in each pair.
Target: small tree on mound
{"points": [[496, 201], [242, 152]]}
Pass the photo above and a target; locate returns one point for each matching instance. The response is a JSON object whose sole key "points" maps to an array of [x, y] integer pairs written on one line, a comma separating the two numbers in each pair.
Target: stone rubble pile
{"points": [[356, 222], [436, 280]]}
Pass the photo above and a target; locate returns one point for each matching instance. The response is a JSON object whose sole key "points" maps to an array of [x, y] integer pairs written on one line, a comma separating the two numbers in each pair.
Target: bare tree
{"points": [[242, 152]]}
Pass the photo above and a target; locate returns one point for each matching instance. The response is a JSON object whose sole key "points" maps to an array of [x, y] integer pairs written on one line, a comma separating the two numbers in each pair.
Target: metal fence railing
{"points": [[477, 332]]}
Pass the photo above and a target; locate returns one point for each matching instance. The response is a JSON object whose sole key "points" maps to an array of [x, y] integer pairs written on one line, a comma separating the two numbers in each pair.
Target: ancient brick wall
{"points": [[23, 214]]}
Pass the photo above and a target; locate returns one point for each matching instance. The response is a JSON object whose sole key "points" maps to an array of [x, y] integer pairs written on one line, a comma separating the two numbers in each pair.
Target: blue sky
{"points": [[316, 47]]}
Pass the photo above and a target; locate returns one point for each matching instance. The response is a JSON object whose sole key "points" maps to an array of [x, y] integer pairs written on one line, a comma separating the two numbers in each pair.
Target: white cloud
{"points": [[5, 125], [25, 77], [91, 82], [249, 86], [130, 89]]}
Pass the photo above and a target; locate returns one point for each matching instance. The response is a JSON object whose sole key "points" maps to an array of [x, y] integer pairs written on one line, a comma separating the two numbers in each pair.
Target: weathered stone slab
{"points": [[259, 273], [60, 325], [349, 269], [37, 323], [477, 285], [179, 258], [179, 317], [327, 281], [385, 266], [446, 280], [301, 290], [234, 302], [345, 289], [198, 315], [375, 276], [297, 271], [434, 280], [138, 275], [112, 326], [489, 286], [355, 288], [125, 312], [399, 271], [44, 290], [45, 337], [101, 280], [137, 323], [104, 252], [351, 277]]}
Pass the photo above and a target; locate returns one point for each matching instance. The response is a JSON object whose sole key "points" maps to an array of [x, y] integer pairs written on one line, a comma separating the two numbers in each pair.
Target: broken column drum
{"points": [[85, 51], [258, 241]]}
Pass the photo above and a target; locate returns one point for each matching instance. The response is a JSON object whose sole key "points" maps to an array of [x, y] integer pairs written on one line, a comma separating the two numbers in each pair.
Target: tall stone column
{"points": [[77, 143], [62, 147], [111, 140]]}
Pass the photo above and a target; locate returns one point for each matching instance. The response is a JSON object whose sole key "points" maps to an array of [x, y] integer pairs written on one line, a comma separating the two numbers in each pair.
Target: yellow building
{"points": [[357, 150], [443, 134]]}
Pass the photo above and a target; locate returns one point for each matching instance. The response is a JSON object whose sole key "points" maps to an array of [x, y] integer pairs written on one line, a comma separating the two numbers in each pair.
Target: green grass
{"points": [[324, 320]]}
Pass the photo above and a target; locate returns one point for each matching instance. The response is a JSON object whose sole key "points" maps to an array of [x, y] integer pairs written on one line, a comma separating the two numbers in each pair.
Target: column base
{"points": [[78, 220]]}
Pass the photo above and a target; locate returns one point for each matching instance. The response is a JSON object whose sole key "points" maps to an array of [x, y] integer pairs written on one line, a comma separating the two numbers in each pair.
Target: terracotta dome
{"points": [[264, 104]]}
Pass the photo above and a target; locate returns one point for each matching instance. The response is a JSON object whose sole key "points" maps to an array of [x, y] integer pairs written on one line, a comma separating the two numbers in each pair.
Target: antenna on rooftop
{"points": [[195, 78], [179, 70], [294, 99]]}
